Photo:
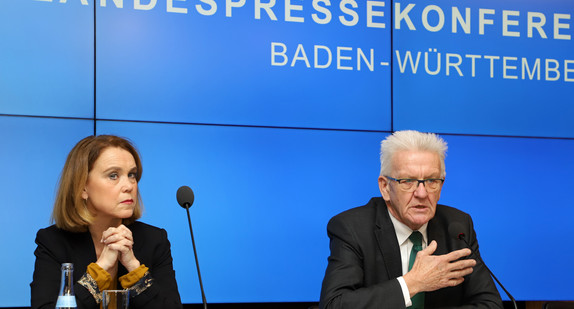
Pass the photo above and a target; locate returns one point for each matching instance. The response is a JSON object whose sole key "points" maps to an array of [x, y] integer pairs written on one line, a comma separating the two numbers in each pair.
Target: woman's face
{"points": [[111, 189]]}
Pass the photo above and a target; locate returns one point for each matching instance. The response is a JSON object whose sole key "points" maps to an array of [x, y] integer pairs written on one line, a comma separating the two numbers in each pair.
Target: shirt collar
{"points": [[403, 231]]}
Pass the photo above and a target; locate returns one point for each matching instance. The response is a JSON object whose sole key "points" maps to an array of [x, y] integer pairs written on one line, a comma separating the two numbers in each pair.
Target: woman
{"points": [[95, 215]]}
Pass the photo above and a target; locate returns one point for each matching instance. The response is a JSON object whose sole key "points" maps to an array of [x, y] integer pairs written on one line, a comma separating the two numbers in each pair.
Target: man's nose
{"points": [[421, 190]]}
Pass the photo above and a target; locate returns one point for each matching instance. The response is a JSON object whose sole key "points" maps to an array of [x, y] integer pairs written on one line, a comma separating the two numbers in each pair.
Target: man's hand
{"points": [[433, 272]]}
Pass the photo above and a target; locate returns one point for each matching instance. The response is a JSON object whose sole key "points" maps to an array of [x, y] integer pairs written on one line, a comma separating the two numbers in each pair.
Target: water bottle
{"points": [[66, 298]]}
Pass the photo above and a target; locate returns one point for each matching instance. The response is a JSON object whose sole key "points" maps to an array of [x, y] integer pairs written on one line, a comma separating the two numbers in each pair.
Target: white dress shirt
{"points": [[405, 245]]}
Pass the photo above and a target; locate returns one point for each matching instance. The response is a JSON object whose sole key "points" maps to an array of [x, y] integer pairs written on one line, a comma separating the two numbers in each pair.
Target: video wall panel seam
{"points": [[391, 66], [95, 73]]}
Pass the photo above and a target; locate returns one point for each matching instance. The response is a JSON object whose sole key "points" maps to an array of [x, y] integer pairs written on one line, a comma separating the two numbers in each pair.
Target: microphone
{"points": [[185, 199], [456, 230]]}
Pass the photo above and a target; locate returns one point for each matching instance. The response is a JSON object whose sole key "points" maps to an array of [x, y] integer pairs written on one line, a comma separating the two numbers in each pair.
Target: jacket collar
{"points": [[386, 238]]}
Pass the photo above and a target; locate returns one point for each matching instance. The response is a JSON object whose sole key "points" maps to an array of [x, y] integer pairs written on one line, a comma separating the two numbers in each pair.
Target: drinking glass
{"points": [[115, 299]]}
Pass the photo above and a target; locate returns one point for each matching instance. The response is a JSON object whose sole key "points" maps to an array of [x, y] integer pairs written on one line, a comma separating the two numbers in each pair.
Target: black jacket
{"points": [[365, 262], [56, 246]]}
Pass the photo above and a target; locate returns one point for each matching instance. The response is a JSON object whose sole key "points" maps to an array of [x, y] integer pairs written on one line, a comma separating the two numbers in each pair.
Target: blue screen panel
{"points": [[504, 68], [46, 58], [517, 191], [31, 159], [177, 65], [277, 201], [262, 201]]}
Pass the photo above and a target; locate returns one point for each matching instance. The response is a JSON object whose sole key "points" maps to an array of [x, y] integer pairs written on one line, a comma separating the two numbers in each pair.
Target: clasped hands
{"points": [[118, 246], [433, 272]]}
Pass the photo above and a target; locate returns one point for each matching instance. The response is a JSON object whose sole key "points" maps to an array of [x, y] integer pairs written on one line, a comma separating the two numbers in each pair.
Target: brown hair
{"points": [[70, 212]]}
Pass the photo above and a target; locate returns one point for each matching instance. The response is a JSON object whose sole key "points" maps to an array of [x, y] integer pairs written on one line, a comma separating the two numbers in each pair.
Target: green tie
{"points": [[417, 240]]}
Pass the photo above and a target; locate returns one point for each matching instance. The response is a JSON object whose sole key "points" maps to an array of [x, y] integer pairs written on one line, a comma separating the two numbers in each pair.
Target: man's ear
{"points": [[384, 188]]}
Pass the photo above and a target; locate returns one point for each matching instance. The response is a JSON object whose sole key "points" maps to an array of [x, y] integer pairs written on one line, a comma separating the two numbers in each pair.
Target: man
{"points": [[371, 245]]}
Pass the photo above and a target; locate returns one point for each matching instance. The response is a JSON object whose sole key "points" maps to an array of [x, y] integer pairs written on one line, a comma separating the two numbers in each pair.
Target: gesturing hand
{"points": [[119, 240], [433, 272]]}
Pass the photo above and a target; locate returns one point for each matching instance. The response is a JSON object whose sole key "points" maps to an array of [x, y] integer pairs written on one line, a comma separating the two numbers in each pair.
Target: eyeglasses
{"points": [[410, 185]]}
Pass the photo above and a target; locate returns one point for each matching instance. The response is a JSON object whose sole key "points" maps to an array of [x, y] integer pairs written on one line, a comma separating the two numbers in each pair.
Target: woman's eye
{"points": [[113, 176], [132, 175]]}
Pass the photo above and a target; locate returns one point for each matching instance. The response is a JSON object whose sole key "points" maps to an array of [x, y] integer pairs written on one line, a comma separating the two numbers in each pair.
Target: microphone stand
{"points": [[491, 273], [195, 254]]}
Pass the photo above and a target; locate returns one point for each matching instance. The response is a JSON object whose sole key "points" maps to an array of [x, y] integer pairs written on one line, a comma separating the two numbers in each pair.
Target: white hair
{"points": [[411, 140]]}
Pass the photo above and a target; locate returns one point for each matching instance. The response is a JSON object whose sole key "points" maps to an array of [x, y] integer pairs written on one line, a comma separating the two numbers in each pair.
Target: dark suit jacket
{"points": [[56, 246], [365, 262]]}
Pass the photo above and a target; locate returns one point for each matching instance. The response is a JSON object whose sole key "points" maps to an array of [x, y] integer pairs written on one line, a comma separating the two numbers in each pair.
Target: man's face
{"points": [[414, 209]]}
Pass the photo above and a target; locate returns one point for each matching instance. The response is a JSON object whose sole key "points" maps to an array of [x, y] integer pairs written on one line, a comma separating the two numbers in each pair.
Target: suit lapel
{"points": [[82, 251], [435, 232], [387, 241]]}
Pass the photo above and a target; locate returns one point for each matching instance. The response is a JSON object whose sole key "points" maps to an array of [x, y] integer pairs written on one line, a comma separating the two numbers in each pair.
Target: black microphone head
{"points": [[456, 230], [185, 196]]}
